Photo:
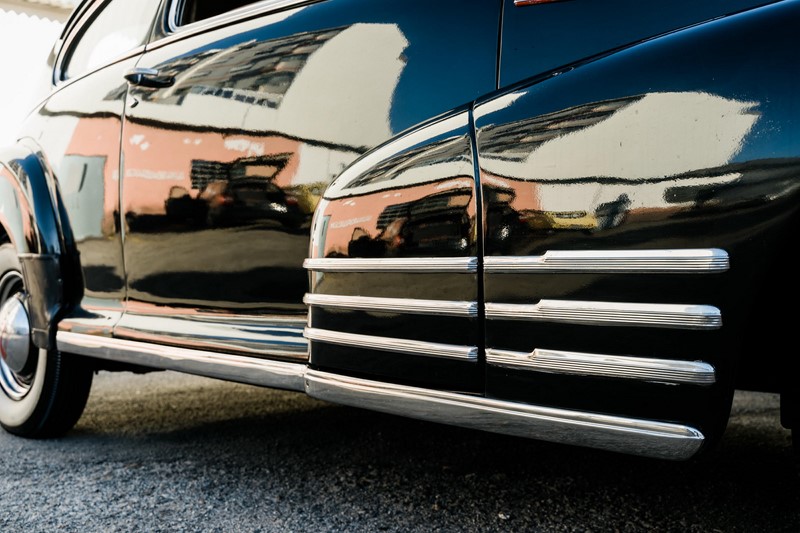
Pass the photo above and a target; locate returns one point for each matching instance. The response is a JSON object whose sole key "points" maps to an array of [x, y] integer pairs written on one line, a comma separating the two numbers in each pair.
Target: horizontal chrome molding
{"points": [[677, 316], [267, 336], [243, 369], [404, 264], [613, 366], [619, 434], [388, 344], [394, 305], [696, 261]]}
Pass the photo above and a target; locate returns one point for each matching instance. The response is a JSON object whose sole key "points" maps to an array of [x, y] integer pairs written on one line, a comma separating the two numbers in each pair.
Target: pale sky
{"points": [[25, 42]]}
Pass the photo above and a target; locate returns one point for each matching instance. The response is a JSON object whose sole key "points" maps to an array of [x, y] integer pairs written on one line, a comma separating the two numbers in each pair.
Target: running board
{"points": [[242, 369], [613, 433], [647, 438]]}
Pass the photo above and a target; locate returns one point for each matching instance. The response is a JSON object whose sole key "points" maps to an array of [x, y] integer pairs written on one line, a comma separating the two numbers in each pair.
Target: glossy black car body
{"points": [[449, 210]]}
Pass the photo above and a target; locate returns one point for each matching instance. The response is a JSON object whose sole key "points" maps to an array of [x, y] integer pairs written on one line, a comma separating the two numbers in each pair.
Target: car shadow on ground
{"points": [[298, 455]]}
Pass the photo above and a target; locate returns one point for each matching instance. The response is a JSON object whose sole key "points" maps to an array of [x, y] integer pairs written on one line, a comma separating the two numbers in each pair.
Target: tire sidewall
{"points": [[16, 413]]}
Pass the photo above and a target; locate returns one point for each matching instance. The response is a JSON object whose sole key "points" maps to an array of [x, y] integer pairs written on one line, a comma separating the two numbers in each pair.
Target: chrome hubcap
{"points": [[17, 363]]}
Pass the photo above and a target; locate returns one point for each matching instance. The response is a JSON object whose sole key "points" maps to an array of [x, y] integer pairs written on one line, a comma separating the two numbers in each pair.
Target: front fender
{"points": [[661, 175], [29, 219]]}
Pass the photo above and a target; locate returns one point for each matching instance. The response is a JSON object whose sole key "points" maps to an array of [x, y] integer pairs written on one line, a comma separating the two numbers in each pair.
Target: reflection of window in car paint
{"points": [[121, 25]]}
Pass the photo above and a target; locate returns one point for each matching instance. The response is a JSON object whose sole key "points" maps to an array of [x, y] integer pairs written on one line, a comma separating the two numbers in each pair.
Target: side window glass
{"points": [[121, 25], [195, 10]]}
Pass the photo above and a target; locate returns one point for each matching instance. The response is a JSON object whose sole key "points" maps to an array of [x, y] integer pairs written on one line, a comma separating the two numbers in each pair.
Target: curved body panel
{"points": [[394, 263], [538, 38], [27, 214], [610, 188]]}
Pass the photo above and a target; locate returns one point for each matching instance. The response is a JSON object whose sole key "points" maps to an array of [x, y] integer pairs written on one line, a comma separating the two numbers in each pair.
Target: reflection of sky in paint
{"points": [[655, 136], [439, 28], [633, 148]]}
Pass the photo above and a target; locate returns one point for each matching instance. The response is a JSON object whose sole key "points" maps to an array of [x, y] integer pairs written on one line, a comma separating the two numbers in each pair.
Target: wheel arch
{"points": [[32, 218]]}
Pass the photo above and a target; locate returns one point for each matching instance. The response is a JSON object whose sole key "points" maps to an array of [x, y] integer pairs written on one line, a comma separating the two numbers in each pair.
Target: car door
{"points": [[77, 130], [237, 124]]}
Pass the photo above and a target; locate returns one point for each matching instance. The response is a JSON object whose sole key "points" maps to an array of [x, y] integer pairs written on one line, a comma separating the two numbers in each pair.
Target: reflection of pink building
{"points": [[157, 160], [98, 139], [376, 215]]}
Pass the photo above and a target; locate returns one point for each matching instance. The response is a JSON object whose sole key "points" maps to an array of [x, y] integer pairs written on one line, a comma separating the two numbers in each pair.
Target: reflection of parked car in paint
{"points": [[577, 240], [249, 200]]}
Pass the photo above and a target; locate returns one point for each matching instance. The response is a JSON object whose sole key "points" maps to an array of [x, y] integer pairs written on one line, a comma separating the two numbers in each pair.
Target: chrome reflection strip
{"points": [[520, 3], [406, 264], [610, 261], [394, 305], [388, 344], [620, 434], [242, 369], [675, 316], [613, 366]]}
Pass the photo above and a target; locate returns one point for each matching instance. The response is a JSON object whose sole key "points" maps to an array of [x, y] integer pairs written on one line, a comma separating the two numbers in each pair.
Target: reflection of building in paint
{"points": [[253, 72], [164, 148], [309, 86], [304, 154], [414, 220], [415, 201], [89, 168], [567, 167]]}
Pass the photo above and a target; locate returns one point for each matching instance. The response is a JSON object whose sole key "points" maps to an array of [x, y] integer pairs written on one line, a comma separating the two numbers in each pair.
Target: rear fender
{"points": [[684, 145], [31, 221]]}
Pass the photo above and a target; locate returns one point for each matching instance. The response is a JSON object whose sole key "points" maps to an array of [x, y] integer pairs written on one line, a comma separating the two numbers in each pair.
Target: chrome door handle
{"points": [[149, 77]]}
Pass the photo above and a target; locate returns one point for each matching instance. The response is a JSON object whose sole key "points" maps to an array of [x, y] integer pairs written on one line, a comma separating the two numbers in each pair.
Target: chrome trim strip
{"points": [[466, 265], [614, 433], [695, 261], [264, 336], [242, 369], [522, 3], [598, 365], [394, 305], [388, 344], [677, 316]]}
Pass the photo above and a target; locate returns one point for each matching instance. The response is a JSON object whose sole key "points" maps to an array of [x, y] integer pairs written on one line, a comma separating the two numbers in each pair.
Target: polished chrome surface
{"points": [[614, 366], [15, 334], [610, 314], [610, 261], [640, 437], [394, 305], [414, 264], [387, 344], [519, 3], [242, 369], [269, 335], [15, 344]]}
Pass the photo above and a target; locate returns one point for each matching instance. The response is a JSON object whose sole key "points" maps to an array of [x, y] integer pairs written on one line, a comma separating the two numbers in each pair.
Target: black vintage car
{"points": [[565, 220]]}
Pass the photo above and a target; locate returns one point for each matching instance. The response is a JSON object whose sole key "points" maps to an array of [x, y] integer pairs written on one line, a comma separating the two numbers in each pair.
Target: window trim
{"points": [[173, 32]]}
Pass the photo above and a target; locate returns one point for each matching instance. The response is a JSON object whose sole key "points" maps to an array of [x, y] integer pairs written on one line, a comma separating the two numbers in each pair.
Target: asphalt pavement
{"points": [[171, 452]]}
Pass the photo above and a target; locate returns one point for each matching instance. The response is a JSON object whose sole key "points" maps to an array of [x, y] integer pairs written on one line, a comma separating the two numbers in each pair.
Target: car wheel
{"points": [[42, 392]]}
